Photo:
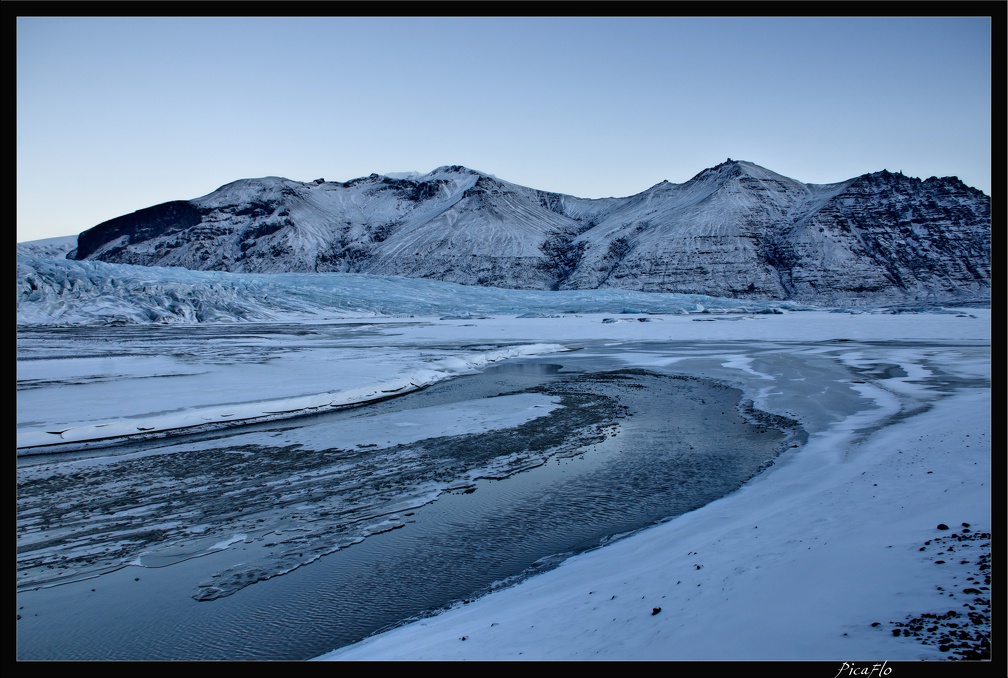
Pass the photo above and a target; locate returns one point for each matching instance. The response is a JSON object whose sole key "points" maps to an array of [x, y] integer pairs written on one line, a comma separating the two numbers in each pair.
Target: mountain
{"points": [[734, 230]]}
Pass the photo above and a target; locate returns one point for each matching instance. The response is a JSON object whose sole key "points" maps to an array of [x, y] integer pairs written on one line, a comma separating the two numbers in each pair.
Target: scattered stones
{"points": [[962, 635]]}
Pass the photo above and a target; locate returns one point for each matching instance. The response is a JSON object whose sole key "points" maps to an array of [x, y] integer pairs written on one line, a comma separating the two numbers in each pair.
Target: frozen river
{"points": [[288, 536]]}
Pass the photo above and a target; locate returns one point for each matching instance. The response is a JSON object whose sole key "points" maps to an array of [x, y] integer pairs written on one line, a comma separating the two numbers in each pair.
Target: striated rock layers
{"points": [[734, 230]]}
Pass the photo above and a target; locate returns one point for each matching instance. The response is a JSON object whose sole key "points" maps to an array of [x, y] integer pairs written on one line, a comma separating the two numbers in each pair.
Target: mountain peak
{"points": [[730, 169], [455, 169], [410, 176], [735, 229], [727, 169]]}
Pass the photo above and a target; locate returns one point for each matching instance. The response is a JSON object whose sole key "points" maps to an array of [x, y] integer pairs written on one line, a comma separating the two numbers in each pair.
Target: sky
{"points": [[820, 557], [115, 114]]}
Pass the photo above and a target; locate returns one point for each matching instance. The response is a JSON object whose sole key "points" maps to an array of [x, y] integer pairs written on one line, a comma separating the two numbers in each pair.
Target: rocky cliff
{"points": [[734, 230]]}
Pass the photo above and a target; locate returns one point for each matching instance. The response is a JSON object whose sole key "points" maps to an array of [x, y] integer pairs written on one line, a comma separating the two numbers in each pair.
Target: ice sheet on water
{"points": [[57, 291], [65, 402]]}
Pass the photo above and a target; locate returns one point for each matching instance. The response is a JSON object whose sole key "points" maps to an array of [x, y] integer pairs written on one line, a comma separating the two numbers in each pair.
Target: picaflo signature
{"points": [[870, 671]]}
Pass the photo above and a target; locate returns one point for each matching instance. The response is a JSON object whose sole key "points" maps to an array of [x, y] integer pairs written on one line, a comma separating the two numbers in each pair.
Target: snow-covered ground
{"points": [[816, 559], [824, 557], [871, 541]]}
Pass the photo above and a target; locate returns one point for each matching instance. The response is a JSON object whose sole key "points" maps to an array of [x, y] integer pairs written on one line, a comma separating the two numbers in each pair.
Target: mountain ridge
{"points": [[733, 230]]}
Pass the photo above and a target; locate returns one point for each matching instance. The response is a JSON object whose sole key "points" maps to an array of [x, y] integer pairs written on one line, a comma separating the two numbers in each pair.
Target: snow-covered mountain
{"points": [[736, 230]]}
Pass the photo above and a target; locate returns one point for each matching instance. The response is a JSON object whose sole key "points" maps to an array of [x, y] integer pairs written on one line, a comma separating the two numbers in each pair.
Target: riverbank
{"points": [[862, 386]]}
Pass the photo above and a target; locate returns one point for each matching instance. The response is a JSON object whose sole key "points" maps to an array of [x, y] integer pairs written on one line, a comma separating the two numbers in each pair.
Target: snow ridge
{"points": [[736, 230]]}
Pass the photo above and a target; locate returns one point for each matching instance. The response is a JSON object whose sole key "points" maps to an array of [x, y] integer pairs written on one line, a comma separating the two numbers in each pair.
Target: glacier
{"points": [[135, 550], [52, 290]]}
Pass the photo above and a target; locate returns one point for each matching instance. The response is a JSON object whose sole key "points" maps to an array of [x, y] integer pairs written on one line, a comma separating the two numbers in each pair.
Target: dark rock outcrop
{"points": [[734, 230]]}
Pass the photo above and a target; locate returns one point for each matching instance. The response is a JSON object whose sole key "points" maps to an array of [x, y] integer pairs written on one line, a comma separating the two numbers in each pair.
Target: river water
{"points": [[269, 543]]}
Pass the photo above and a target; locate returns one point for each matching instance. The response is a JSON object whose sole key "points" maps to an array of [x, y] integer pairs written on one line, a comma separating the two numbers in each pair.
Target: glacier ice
{"points": [[57, 291]]}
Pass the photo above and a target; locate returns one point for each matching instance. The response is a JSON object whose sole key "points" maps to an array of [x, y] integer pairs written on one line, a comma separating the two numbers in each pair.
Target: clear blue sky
{"points": [[118, 114]]}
